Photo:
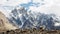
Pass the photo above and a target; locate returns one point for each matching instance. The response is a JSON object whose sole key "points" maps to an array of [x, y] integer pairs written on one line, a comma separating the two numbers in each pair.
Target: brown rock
{"points": [[5, 24]]}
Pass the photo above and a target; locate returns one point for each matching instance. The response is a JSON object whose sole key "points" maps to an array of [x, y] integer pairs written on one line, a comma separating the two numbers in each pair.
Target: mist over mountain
{"points": [[32, 19]]}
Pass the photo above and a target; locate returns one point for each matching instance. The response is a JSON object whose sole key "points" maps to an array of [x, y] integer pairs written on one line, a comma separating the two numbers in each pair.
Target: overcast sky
{"points": [[43, 6]]}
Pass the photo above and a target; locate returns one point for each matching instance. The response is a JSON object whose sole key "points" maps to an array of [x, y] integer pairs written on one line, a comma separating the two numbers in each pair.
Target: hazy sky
{"points": [[43, 6]]}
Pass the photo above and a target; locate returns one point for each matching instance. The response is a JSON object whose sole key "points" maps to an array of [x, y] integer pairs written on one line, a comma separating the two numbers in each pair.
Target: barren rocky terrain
{"points": [[4, 23]]}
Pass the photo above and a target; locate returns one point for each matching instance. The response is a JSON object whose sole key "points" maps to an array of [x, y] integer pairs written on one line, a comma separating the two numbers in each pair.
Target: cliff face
{"points": [[4, 23]]}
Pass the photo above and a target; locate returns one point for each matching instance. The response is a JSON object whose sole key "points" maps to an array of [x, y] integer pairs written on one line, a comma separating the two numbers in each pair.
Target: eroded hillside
{"points": [[4, 23]]}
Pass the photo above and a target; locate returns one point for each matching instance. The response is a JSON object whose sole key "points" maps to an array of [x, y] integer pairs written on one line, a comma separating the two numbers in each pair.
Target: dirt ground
{"points": [[30, 31]]}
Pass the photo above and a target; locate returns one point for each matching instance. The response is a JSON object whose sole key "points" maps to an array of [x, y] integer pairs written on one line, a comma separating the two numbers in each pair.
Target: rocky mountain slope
{"points": [[33, 19], [4, 23]]}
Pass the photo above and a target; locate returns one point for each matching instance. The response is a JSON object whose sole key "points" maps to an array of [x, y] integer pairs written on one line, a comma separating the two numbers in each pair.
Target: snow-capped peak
{"points": [[30, 19]]}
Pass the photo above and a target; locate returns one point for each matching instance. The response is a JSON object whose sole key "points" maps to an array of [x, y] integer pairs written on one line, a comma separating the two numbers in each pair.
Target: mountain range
{"points": [[23, 18]]}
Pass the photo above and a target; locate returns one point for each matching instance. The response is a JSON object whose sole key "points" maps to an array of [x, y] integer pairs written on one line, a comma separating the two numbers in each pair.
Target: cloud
{"points": [[50, 6], [37, 1], [7, 6], [45, 6], [57, 24], [12, 2]]}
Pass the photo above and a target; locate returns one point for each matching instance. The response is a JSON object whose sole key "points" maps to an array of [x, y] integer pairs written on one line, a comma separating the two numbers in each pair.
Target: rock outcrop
{"points": [[5, 24]]}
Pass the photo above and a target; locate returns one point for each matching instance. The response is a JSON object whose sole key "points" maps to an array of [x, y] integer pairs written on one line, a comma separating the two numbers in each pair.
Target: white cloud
{"points": [[37, 9], [41, 8], [56, 1], [54, 9], [44, 1], [37, 1], [51, 6], [57, 24], [12, 2], [9, 5]]}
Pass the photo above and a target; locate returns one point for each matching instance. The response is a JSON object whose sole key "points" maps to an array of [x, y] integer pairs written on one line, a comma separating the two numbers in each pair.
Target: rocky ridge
{"points": [[5, 24]]}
